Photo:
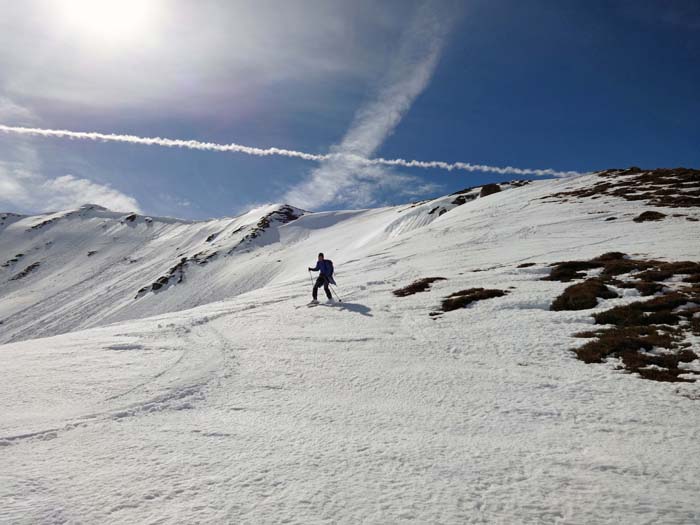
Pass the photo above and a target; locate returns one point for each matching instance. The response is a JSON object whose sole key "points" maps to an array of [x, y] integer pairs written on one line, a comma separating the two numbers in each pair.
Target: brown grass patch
{"points": [[666, 188], [647, 288], [658, 310], [464, 298], [633, 344], [649, 216], [421, 285], [582, 296], [650, 336]]}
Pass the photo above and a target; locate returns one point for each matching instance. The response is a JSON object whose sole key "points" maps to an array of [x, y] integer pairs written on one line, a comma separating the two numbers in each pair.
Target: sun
{"points": [[108, 21]]}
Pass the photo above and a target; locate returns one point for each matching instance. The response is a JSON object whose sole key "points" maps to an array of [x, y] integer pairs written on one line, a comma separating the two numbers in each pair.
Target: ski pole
{"points": [[311, 277], [336, 294]]}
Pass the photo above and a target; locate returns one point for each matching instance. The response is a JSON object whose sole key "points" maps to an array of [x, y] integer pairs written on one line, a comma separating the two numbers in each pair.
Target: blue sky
{"points": [[570, 85]]}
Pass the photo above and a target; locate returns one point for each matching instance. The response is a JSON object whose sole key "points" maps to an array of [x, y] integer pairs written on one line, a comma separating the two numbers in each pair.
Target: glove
{"points": [[310, 269]]}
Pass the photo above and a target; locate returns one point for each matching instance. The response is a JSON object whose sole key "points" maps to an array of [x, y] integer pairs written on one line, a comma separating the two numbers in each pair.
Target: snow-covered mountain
{"points": [[523, 352], [88, 267]]}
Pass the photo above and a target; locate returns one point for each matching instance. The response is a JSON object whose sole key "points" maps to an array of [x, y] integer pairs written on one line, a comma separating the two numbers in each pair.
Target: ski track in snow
{"points": [[253, 410]]}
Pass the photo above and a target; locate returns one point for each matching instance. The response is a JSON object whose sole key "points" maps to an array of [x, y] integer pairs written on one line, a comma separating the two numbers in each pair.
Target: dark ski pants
{"points": [[321, 281]]}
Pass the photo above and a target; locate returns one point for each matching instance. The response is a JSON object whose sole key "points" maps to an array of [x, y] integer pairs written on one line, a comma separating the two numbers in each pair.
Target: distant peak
{"points": [[96, 207]]}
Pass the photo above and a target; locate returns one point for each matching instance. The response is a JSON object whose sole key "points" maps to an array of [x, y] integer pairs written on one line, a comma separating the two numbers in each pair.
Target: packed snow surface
{"points": [[220, 397]]}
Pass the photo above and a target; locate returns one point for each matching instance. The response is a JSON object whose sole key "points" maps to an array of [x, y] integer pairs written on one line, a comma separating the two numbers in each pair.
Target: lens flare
{"points": [[108, 21]]}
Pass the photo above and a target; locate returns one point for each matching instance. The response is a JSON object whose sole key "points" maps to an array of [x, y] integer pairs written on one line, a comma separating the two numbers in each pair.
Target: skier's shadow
{"points": [[352, 307]]}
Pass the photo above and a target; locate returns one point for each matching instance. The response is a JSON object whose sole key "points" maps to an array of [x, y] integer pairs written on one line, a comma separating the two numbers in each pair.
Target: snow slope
{"points": [[224, 399]]}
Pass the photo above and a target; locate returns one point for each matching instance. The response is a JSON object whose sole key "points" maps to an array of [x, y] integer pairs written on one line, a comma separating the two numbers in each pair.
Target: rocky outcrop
{"points": [[666, 188], [489, 189], [29, 269]]}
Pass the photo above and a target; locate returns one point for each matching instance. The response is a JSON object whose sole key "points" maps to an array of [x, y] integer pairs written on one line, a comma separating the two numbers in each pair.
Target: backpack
{"points": [[330, 264]]}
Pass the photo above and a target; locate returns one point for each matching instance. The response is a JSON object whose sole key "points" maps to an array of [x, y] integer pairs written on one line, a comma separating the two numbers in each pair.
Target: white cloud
{"points": [[26, 191]]}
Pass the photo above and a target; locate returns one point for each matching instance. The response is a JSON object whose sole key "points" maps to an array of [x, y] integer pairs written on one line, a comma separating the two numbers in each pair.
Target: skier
{"points": [[325, 266]]}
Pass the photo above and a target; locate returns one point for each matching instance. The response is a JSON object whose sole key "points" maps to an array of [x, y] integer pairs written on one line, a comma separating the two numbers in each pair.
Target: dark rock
{"points": [[29, 269], [671, 188], [463, 199], [489, 189]]}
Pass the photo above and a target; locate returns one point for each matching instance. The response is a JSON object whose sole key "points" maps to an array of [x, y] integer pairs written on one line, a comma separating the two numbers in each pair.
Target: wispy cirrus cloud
{"points": [[346, 177]]}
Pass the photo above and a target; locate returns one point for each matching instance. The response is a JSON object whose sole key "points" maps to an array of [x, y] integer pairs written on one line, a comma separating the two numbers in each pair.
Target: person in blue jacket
{"points": [[325, 277]]}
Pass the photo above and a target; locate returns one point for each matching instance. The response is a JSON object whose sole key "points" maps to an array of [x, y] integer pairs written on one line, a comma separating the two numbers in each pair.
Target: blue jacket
{"points": [[326, 268]]}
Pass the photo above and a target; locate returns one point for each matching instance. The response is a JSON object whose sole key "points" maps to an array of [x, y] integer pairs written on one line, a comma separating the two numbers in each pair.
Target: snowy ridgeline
{"points": [[70, 270], [487, 362]]}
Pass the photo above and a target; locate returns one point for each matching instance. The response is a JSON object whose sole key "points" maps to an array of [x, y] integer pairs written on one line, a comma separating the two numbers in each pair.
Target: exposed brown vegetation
{"points": [[612, 264], [569, 270], [649, 216], [649, 337], [464, 298], [633, 345], [421, 285], [667, 188], [526, 265], [582, 296]]}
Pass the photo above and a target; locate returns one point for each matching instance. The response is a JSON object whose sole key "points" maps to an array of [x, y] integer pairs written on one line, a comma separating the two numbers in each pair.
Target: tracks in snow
{"points": [[203, 360]]}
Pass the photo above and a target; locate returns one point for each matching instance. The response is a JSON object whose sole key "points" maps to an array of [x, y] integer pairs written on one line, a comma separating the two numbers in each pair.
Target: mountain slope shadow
{"points": [[352, 307]]}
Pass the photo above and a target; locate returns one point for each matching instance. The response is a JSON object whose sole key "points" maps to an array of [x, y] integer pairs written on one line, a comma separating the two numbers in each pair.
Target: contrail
{"points": [[265, 152]]}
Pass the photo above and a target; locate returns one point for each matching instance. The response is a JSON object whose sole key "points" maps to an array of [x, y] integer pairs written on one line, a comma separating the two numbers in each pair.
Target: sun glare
{"points": [[108, 21]]}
